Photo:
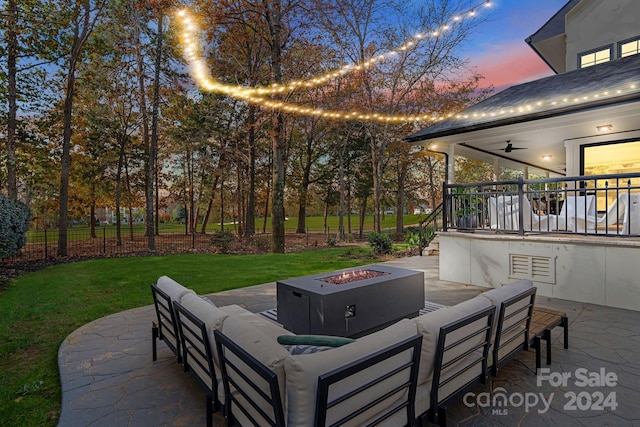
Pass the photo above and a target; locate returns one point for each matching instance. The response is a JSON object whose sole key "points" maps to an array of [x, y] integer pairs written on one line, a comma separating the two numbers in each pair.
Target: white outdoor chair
{"points": [[534, 222], [503, 212], [578, 214]]}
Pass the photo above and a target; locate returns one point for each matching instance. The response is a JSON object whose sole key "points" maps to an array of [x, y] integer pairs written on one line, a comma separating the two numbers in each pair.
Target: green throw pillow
{"points": [[319, 340]]}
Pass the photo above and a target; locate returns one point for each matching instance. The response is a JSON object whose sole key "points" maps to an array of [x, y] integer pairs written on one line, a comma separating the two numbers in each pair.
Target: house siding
{"points": [[595, 24]]}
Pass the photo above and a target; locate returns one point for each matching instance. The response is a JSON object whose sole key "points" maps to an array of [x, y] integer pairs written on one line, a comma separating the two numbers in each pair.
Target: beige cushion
{"points": [[429, 326], [262, 347], [172, 288], [497, 296], [302, 374], [265, 325], [503, 293]]}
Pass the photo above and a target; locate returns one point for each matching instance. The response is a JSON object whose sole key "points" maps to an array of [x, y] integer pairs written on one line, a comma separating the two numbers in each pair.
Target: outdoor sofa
{"points": [[266, 383]]}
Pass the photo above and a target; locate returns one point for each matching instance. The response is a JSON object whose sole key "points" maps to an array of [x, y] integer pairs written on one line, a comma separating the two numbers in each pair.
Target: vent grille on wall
{"points": [[532, 267]]}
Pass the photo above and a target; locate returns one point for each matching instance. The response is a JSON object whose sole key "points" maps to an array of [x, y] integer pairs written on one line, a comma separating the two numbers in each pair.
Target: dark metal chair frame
{"points": [[438, 411], [193, 336], [326, 380], [502, 318], [223, 345], [166, 324]]}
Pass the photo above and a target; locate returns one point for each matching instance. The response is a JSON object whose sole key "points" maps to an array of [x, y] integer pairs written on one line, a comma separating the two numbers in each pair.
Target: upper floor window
{"points": [[629, 47], [593, 57]]}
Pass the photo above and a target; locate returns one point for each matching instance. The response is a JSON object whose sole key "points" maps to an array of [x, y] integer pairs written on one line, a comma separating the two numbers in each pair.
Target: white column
{"points": [[451, 170]]}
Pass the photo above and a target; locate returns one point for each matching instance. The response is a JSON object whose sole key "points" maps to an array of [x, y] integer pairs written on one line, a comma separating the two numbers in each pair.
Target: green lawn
{"points": [[40, 309]]}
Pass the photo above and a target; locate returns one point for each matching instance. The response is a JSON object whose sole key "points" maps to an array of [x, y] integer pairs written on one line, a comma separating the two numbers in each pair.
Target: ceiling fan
{"points": [[509, 148]]}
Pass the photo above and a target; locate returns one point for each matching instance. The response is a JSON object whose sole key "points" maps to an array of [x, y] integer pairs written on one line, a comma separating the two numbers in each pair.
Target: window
{"points": [[629, 47], [612, 158], [594, 57]]}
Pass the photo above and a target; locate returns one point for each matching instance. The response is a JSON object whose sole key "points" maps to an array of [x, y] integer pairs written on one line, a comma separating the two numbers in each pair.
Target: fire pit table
{"points": [[350, 302]]}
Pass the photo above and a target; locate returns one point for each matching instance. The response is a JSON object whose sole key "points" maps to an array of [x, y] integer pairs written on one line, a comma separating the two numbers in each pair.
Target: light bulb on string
{"points": [[190, 25]]}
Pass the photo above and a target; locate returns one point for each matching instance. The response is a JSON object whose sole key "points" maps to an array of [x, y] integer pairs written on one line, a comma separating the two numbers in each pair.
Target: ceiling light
{"points": [[604, 128], [546, 157]]}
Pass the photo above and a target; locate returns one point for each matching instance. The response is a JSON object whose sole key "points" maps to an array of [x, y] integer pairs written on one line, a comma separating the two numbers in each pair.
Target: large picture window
{"points": [[593, 57], [612, 158]]}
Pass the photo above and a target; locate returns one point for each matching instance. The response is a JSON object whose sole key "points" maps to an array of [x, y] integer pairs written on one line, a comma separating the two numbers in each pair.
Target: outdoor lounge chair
{"points": [[460, 361], [511, 331], [332, 393], [624, 211], [166, 327], [198, 355], [251, 389], [578, 214]]}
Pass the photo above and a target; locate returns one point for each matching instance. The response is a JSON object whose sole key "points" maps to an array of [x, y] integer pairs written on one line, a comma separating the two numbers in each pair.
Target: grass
{"points": [[312, 223], [40, 309]]}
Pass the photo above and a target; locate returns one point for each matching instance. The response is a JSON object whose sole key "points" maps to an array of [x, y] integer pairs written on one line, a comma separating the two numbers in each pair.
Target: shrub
{"points": [[262, 243], [331, 241], [223, 240], [412, 238], [359, 252], [381, 243], [14, 223]]}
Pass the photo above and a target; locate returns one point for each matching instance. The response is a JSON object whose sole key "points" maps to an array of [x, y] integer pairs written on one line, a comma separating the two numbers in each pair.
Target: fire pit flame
{"points": [[352, 276]]}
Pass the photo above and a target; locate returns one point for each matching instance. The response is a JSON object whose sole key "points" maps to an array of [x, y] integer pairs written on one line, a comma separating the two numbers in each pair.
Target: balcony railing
{"points": [[607, 205]]}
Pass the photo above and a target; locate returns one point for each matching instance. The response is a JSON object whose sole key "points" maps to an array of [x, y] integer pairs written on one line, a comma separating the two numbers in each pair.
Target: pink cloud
{"points": [[510, 64]]}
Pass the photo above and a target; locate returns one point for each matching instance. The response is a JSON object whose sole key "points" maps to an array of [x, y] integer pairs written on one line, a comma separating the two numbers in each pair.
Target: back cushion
{"points": [[172, 288], [302, 374], [498, 295], [211, 316], [503, 293], [266, 350], [429, 326]]}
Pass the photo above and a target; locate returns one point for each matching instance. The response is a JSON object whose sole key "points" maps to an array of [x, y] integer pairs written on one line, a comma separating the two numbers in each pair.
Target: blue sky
{"points": [[499, 51]]}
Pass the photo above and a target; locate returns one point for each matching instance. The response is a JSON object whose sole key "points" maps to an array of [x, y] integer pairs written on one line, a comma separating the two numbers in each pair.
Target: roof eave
{"points": [[525, 118]]}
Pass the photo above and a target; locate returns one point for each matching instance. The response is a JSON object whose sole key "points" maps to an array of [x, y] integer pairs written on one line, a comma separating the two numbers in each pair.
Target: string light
{"points": [[625, 89], [190, 36]]}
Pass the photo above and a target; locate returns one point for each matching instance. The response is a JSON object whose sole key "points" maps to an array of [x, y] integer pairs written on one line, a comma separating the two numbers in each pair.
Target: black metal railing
{"points": [[591, 205], [429, 226]]}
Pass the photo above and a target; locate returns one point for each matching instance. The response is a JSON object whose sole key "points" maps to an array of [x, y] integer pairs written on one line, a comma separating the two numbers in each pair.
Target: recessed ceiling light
{"points": [[546, 157], [604, 128]]}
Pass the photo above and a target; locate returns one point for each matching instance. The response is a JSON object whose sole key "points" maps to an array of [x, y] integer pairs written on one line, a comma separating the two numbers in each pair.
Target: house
{"points": [[583, 121]]}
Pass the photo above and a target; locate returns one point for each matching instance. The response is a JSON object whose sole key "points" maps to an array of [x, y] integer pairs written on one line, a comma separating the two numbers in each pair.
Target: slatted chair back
{"points": [[251, 389], [198, 355], [460, 360], [166, 327], [395, 384], [513, 326]]}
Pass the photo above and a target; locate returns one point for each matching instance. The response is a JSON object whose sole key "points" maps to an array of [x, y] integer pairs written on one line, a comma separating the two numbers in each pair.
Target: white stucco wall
{"points": [[598, 23], [596, 270]]}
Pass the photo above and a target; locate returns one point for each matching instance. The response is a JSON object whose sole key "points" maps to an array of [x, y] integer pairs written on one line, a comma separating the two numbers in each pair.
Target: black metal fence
{"points": [[606, 205], [43, 244]]}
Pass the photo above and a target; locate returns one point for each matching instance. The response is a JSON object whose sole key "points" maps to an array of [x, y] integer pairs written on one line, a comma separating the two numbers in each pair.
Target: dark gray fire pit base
{"points": [[308, 305]]}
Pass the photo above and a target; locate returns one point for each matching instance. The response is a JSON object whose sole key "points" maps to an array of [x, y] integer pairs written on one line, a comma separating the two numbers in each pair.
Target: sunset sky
{"points": [[499, 51]]}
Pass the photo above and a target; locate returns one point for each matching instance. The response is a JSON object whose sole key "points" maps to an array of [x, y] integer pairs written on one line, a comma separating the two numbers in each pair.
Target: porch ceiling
{"points": [[541, 137]]}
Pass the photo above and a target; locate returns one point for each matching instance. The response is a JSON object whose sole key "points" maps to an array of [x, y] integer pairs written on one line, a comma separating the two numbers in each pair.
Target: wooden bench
{"points": [[543, 320]]}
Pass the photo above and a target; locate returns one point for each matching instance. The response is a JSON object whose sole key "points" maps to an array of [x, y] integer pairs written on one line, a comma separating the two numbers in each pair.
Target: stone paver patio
{"points": [[109, 379]]}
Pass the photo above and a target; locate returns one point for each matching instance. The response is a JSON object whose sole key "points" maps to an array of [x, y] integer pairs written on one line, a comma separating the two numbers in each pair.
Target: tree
{"points": [[84, 16], [26, 48], [362, 30]]}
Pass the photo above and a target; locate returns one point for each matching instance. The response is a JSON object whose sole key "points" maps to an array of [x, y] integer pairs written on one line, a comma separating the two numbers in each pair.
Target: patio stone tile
{"points": [[109, 379]]}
